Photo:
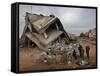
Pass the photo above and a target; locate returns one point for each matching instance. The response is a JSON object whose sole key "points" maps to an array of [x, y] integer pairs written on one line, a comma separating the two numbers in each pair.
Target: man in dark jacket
{"points": [[74, 55], [81, 51], [87, 51]]}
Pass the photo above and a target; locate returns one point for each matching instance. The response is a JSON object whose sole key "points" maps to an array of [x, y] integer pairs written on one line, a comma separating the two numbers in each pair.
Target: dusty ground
{"points": [[29, 59]]}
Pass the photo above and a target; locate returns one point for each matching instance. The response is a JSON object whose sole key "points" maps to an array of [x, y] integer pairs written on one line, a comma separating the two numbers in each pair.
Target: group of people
{"points": [[65, 54], [81, 51], [77, 53]]}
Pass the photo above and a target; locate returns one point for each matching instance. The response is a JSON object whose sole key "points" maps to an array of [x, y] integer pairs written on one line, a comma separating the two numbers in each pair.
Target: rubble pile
{"points": [[61, 53]]}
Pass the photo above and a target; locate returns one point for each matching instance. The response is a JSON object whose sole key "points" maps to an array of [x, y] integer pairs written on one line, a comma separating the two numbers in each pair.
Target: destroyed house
{"points": [[41, 31]]}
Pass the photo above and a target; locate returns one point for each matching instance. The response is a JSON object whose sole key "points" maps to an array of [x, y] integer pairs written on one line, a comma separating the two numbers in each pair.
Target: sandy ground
{"points": [[29, 59]]}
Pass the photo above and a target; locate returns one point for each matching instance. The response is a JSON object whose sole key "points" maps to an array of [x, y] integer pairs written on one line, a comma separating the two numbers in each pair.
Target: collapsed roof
{"points": [[42, 30]]}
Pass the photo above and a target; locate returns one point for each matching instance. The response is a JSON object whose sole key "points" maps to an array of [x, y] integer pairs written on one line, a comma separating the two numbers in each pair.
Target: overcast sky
{"points": [[74, 20]]}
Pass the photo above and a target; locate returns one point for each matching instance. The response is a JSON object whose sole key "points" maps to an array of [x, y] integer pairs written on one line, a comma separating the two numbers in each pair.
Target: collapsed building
{"points": [[42, 31], [47, 32]]}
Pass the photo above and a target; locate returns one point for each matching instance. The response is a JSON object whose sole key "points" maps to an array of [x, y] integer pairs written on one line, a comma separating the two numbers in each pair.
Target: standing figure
{"points": [[81, 51], [74, 55], [87, 51]]}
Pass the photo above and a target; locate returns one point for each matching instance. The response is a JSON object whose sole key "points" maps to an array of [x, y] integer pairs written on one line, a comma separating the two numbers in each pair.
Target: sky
{"points": [[74, 20]]}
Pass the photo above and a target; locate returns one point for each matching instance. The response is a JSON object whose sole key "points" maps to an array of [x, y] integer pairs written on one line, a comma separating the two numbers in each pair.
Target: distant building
{"points": [[91, 34]]}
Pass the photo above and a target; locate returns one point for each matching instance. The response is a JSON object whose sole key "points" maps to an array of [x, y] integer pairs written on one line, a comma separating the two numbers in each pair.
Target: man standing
{"points": [[81, 51], [74, 54], [87, 51]]}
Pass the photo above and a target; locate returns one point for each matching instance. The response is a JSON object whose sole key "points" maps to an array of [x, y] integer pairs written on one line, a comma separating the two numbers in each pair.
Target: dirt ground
{"points": [[29, 59]]}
